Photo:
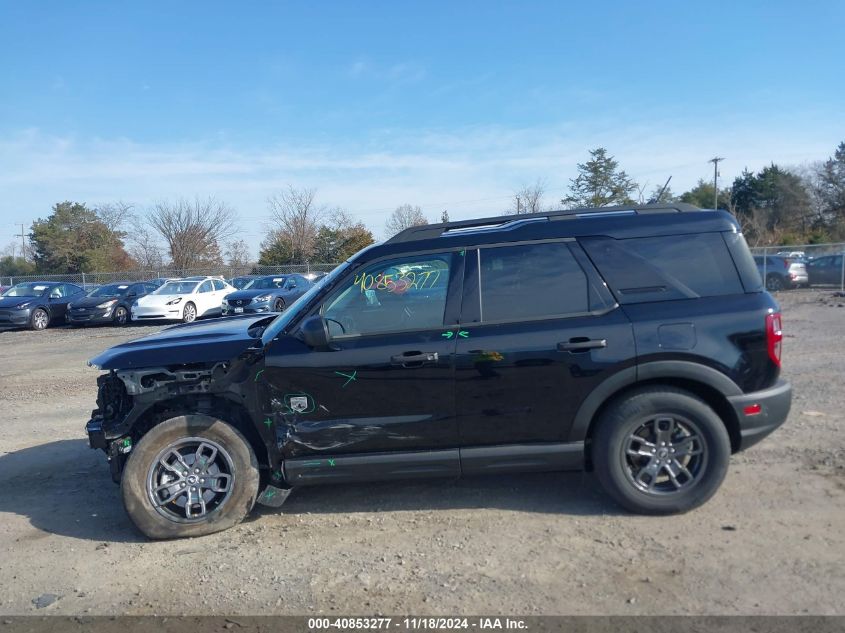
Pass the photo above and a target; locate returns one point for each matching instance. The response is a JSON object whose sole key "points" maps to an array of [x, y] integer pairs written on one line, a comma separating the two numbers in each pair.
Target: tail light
{"points": [[774, 337]]}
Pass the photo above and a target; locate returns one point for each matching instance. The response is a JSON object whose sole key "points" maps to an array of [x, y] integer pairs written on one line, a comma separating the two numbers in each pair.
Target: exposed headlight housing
{"points": [[105, 304], [262, 298], [173, 302]]}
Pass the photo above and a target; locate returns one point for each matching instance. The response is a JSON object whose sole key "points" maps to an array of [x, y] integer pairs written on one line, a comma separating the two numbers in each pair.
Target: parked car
{"points": [[37, 304], [781, 273], [825, 270], [272, 293], [242, 282], [182, 300], [637, 342], [108, 304]]}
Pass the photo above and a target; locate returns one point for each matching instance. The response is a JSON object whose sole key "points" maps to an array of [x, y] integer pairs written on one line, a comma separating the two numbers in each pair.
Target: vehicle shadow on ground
{"points": [[572, 493], [64, 487]]}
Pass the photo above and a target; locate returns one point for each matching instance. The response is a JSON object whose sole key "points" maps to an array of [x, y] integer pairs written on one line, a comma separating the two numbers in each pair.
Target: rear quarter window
{"points": [[665, 268]]}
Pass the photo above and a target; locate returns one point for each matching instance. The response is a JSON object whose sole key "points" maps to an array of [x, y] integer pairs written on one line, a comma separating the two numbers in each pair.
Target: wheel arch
{"points": [[211, 405], [709, 384]]}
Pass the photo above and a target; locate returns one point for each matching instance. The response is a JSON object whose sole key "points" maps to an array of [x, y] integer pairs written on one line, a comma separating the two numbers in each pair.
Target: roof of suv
{"points": [[619, 222]]}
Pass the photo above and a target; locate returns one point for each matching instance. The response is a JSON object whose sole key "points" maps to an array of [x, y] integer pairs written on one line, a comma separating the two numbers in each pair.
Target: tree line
{"points": [[777, 205]]}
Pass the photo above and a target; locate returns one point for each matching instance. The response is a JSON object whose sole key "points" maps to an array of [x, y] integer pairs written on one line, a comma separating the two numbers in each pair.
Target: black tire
{"points": [[39, 319], [774, 282], [279, 305], [623, 474], [141, 477], [121, 316], [189, 313]]}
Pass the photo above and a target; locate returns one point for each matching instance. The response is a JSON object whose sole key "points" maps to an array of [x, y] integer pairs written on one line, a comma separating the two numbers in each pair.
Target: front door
{"points": [[538, 332], [387, 384]]}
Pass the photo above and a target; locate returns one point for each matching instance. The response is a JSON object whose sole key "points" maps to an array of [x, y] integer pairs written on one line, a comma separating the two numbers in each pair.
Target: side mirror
{"points": [[315, 332], [129, 295]]}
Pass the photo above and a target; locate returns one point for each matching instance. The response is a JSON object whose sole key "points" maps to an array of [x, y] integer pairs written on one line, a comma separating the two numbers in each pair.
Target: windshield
{"points": [[26, 290], [265, 283], [241, 282], [282, 321], [112, 290], [177, 288]]}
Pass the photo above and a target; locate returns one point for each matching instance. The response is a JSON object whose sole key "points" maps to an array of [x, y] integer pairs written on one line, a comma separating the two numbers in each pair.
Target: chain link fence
{"points": [[799, 265], [227, 272]]}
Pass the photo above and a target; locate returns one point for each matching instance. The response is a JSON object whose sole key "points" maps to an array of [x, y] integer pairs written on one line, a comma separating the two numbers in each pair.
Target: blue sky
{"points": [[446, 105]]}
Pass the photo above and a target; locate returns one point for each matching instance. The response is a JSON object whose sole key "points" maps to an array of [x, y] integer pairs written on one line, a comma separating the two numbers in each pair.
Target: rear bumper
{"points": [[774, 404]]}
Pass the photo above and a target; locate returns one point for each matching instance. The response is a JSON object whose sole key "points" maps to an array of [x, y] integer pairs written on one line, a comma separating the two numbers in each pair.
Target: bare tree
{"points": [[117, 216], [193, 230], [237, 254], [143, 246], [296, 218], [404, 217], [529, 199]]}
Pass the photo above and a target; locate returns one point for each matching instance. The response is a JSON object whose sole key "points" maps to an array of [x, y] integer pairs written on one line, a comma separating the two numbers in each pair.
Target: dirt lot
{"points": [[771, 541]]}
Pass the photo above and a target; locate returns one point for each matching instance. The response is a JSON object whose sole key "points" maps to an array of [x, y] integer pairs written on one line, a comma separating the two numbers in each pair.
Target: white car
{"points": [[183, 300]]}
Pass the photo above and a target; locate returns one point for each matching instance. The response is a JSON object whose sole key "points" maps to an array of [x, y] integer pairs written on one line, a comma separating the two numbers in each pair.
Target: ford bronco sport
{"points": [[635, 342]]}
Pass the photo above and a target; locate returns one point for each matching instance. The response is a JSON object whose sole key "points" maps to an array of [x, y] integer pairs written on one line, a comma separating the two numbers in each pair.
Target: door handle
{"points": [[414, 359], [581, 344]]}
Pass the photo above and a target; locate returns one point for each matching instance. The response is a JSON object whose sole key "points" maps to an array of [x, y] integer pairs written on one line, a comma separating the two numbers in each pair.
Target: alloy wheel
{"points": [[121, 316], [665, 455], [190, 313], [40, 320], [190, 480]]}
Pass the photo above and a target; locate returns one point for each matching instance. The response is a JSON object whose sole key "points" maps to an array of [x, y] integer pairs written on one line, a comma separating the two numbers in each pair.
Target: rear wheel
{"points": [[774, 282], [189, 476], [121, 316], [39, 319], [189, 314], [660, 451]]}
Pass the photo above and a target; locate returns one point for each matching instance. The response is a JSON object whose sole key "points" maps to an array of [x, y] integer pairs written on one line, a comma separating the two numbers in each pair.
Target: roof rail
{"points": [[510, 222]]}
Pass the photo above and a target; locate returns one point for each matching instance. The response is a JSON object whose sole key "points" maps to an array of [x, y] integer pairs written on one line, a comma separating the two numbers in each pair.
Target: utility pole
{"points": [[23, 244], [517, 205], [715, 160]]}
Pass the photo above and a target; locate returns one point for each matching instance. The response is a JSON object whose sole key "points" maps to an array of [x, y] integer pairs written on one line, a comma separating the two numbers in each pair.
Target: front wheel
{"points": [[189, 476], [39, 319], [121, 316], [189, 314], [660, 451], [279, 305]]}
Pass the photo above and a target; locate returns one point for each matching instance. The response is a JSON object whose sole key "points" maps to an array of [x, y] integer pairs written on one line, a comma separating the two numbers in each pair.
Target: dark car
{"points": [[108, 304], [636, 342], [825, 271], [36, 304], [781, 273], [272, 293], [242, 282]]}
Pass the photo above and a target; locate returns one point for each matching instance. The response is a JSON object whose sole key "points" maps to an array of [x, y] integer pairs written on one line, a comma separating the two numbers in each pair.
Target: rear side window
{"points": [[665, 268], [531, 281]]}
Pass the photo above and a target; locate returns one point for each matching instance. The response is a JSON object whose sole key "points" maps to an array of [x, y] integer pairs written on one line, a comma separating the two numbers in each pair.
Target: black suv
{"points": [[636, 342]]}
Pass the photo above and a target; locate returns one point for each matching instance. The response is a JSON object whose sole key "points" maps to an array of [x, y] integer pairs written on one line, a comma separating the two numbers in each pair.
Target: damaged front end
{"points": [[127, 401]]}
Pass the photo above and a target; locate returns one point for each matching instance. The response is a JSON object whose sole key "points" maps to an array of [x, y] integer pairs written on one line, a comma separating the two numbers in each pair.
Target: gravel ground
{"points": [[770, 542]]}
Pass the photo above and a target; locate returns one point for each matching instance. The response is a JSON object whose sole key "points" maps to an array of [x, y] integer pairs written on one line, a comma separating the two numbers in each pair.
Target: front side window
{"points": [[531, 281], [395, 295], [206, 286]]}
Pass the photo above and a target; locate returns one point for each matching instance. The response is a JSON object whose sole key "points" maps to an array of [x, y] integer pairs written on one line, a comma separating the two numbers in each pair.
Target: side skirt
{"points": [[300, 471]]}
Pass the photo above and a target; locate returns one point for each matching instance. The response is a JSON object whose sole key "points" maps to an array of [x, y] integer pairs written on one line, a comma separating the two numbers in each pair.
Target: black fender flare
{"points": [[669, 369]]}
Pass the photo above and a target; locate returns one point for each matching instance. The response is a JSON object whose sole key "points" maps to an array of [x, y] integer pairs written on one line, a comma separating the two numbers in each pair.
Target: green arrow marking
{"points": [[258, 374], [349, 377], [268, 422], [331, 462], [448, 335], [463, 334], [462, 253], [270, 494]]}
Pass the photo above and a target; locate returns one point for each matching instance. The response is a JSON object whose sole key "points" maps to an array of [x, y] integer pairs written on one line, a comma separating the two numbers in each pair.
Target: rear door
{"points": [[538, 332]]}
